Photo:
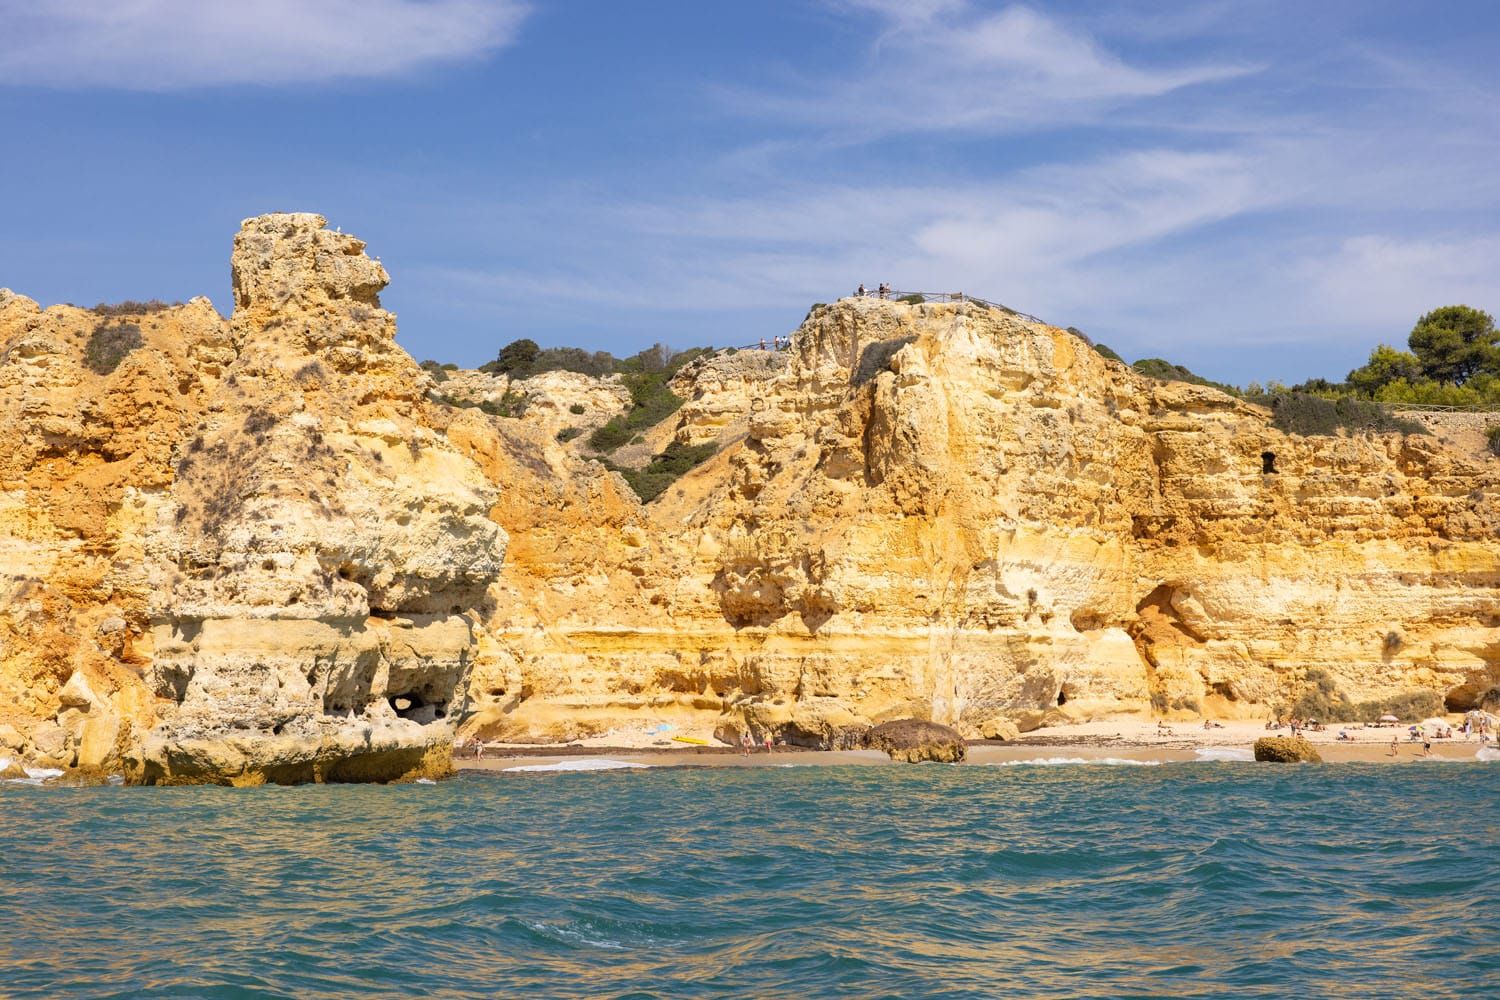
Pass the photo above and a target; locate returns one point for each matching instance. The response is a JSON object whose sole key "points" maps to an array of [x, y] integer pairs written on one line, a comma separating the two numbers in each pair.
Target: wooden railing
{"points": [[1440, 408]]}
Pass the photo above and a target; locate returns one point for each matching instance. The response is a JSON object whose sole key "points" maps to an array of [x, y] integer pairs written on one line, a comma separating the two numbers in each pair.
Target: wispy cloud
{"points": [[158, 45], [944, 65]]}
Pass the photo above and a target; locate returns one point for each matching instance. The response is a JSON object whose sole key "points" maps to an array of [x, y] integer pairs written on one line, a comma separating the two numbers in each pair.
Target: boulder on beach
{"points": [[915, 740], [1286, 750], [999, 729]]}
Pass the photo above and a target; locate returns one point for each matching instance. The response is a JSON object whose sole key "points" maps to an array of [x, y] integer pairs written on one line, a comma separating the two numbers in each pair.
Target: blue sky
{"points": [[1257, 190]]}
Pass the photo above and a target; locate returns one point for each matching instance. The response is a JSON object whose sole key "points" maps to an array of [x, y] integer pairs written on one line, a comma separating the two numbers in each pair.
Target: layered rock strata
{"points": [[247, 551], [947, 511], [273, 548]]}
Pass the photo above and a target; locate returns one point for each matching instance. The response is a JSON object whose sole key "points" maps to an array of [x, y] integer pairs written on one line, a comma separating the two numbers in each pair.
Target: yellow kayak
{"points": [[691, 739]]}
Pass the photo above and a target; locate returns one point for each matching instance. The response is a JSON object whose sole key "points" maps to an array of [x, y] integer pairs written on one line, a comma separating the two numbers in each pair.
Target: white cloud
{"points": [[159, 45], [1371, 278], [1024, 239], [942, 65]]}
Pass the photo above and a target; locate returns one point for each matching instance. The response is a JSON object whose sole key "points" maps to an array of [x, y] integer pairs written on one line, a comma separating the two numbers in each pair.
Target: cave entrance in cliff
{"points": [[1268, 463], [414, 706]]}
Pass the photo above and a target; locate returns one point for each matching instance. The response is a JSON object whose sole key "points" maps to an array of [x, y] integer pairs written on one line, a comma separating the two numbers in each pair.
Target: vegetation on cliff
{"points": [[1168, 372], [109, 344], [664, 469], [1322, 700], [1452, 359]]}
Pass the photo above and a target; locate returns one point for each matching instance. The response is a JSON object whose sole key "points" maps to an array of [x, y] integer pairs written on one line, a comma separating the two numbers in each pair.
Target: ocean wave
{"points": [[586, 764], [34, 775], [1224, 753], [570, 934], [1487, 754], [1061, 761]]}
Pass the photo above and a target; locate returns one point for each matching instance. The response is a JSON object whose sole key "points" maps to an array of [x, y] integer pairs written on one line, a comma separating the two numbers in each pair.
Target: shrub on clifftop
{"points": [[109, 344], [516, 356], [1308, 415]]}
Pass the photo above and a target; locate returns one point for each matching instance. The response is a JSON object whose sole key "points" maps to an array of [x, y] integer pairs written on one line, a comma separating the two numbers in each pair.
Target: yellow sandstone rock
{"points": [[266, 548]]}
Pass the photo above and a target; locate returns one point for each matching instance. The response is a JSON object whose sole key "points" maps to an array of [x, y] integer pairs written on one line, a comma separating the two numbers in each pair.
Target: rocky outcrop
{"points": [[720, 392], [913, 741], [251, 551], [1286, 750]]}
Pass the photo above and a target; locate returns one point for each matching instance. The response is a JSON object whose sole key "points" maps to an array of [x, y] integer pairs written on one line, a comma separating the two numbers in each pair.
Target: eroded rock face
{"points": [[264, 549], [252, 551], [947, 511]]}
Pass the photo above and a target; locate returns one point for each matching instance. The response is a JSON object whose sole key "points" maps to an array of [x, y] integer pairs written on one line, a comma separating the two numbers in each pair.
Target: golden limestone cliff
{"points": [[274, 548], [947, 511], [239, 551]]}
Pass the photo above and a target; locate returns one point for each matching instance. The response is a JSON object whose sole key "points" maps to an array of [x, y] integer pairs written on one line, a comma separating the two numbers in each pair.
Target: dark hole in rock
{"points": [[413, 706], [1268, 463], [1062, 697], [1225, 690]]}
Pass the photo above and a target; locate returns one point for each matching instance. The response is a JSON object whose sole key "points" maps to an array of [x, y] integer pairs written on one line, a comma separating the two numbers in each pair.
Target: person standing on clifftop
{"points": [[860, 291]]}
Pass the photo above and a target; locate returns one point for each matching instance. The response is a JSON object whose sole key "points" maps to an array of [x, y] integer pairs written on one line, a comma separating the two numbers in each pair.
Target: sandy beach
{"points": [[1121, 740]]}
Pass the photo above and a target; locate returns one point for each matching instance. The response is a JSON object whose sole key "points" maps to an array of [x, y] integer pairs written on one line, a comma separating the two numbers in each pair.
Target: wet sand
{"points": [[1121, 740]]}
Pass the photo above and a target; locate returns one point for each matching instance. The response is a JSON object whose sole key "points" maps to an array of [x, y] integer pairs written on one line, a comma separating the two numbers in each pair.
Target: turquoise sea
{"points": [[1205, 879]]}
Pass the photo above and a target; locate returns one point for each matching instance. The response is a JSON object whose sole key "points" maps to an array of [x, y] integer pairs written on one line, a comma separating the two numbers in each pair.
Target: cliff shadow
{"points": [[876, 357]]}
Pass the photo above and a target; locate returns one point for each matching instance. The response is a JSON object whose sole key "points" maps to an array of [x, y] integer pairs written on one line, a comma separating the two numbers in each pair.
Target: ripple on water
{"points": [[1328, 880]]}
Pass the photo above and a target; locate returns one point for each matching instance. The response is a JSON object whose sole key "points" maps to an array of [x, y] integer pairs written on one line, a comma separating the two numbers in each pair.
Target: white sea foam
{"points": [[585, 764], [42, 773], [1224, 753], [426, 781], [568, 932], [1061, 761], [1488, 754]]}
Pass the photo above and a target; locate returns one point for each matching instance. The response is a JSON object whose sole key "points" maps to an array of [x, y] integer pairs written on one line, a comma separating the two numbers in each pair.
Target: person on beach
{"points": [[1395, 747], [1426, 748], [745, 743], [768, 742]]}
